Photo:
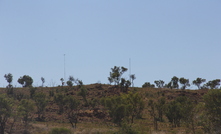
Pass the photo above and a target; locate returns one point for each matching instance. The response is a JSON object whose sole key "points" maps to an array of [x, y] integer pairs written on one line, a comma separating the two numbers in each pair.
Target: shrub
{"points": [[212, 110], [127, 129], [83, 92], [41, 103], [124, 107], [60, 131], [60, 101], [9, 91], [51, 93], [32, 92]]}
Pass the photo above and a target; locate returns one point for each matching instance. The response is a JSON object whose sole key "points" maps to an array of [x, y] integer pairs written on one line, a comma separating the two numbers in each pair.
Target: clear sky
{"points": [[163, 38]]}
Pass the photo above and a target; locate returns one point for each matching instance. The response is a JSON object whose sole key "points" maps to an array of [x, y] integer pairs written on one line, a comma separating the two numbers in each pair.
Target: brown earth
{"points": [[97, 114]]}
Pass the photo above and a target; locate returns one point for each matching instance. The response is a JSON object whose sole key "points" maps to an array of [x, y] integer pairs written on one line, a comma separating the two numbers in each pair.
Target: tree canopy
{"points": [[25, 81], [116, 73]]}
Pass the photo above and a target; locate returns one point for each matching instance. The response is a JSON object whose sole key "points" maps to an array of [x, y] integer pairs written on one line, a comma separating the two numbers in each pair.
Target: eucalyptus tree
{"points": [[59, 99], [124, 85], [132, 77], [72, 109], [213, 84], [116, 74], [184, 82], [43, 81], [124, 107], [174, 82], [159, 83], [25, 81], [198, 82], [147, 84], [26, 109], [83, 93], [41, 103], [9, 78], [62, 81], [70, 81]]}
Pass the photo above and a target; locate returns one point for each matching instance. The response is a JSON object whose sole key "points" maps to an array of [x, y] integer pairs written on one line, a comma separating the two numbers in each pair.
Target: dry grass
{"points": [[90, 126], [82, 128]]}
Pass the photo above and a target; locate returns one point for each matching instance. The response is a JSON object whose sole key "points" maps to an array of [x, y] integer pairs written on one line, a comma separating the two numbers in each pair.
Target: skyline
{"points": [[54, 84], [162, 38]]}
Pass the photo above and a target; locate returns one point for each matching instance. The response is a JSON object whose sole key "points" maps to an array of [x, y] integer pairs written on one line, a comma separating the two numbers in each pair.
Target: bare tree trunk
{"points": [[2, 128], [193, 128], [155, 124], [12, 126]]}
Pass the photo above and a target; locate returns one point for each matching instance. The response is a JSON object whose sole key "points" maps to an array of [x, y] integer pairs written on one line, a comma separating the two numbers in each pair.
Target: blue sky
{"points": [[162, 38]]}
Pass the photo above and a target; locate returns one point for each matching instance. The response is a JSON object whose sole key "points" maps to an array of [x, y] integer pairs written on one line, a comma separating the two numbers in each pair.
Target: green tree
{"points": [[198, 82], [213, 107], [72, 109], [191, 115], [72, 104], [152, 110], [147, 84], [159, 83], [188, 112], [118, 108], [174, 82], [180, 109], [214, 84], [83, 92], [9, 87], [25, 81], [136, 103], [116, 73], [9, 79], [184, 82], [43, 81], [160, 106], [110, 80], [169, 85], [60, 100], [41, 103], [173, 113], [124, 85], [124, 108], [26, 109], [5, 112], [70, 81], [120, 113], [62, 81], [79, 83], [132, 77]]}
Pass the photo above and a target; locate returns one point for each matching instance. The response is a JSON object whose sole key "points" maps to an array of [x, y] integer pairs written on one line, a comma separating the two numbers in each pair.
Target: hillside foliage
{"points": [[168, 108]]}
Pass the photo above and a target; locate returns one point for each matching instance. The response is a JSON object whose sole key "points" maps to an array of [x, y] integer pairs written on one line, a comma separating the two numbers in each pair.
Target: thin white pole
{"points": [[64, 68], [130, 68]]}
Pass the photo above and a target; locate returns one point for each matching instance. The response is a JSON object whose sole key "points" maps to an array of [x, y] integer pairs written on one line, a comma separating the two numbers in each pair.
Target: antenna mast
{"points": [[130, 68], [64, 68]]}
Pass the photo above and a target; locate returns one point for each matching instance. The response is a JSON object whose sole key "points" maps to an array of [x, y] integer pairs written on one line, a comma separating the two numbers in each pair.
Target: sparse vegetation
{"points": [[41, 103], [43, 81], [147, 84], [103, 108], [60, 131], [60, 100], [5, 112]]}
